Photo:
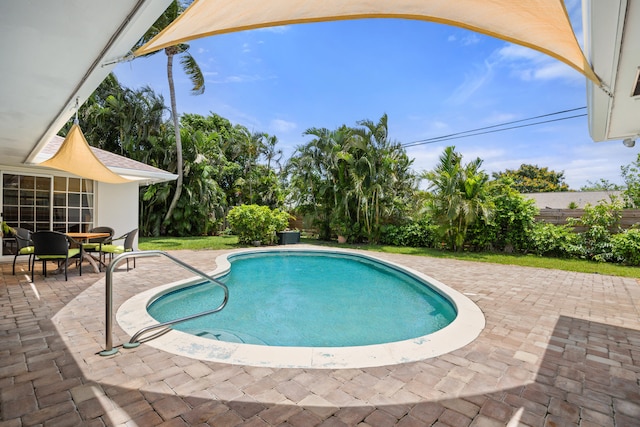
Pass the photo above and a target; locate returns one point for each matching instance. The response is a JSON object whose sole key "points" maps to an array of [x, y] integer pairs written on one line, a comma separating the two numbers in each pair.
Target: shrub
{"points": [[626, 247], [257, 223], [509, 227], [553, 240], [416, 234], [601, 221]]}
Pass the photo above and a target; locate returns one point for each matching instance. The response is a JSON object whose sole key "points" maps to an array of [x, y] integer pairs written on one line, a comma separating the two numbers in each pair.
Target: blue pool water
{"points": [[309, 299]]}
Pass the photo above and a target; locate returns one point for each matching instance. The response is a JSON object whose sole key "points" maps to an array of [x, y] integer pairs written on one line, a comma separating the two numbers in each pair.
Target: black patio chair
{"points": [[24, 246], [127, 246], [52, 246]]}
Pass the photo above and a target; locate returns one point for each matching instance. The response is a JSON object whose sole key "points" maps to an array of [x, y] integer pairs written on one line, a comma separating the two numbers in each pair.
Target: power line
{"points": [[474, 132]]}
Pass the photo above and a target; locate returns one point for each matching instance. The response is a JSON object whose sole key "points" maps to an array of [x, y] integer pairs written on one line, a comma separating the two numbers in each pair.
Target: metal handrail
{"points": [[109, 350]]}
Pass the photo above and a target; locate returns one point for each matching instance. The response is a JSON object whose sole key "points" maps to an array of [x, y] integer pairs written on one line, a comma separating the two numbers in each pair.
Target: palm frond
{"points": [[193, 71]]}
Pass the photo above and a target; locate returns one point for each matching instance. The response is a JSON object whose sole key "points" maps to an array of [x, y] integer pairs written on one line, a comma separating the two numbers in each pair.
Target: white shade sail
{"points": [[542, 25]]}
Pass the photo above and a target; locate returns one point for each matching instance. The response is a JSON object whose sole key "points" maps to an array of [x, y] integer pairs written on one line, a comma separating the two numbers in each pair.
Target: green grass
{"points": [[231, 242], [192, 243]]}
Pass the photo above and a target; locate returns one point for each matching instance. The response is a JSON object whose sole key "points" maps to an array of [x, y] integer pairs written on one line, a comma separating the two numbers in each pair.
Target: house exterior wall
{"points": [[115, 205]]}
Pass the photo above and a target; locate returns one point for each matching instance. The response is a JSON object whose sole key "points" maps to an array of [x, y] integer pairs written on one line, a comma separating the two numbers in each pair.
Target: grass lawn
{"points": [[231, 242]]}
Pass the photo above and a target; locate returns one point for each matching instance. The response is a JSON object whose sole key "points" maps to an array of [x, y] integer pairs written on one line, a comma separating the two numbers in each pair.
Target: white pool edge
{"points": [[132, 316]]}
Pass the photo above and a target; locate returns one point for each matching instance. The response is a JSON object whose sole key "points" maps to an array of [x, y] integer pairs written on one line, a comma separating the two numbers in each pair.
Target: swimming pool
{"points": [[466, 326], [309, 299]]}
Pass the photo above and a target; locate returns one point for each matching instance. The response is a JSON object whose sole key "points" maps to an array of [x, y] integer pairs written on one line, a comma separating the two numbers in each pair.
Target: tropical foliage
{"points": [[351, 181], [459, 197], [631, 176], [626, 247], [417, 234], [534, 179], [195, 75], [257, 224], [554, 240], [601, 185], [512, 222], [601, 222], [223, 163]]}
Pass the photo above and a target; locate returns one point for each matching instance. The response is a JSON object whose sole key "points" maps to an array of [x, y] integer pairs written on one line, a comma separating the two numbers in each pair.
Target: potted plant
{"points": [[341, 227]]}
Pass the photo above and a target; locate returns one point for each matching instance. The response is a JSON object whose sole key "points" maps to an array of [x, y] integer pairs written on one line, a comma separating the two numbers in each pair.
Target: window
{"points": [[45, 203], [72, 204], [26, 201]]}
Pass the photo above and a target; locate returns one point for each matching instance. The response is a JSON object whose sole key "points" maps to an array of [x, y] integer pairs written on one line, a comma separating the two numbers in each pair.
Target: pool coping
{"points": [[132, 316]]}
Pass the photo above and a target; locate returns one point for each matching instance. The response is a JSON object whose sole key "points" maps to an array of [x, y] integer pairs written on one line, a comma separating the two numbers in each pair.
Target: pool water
{"points": [[309, 300]]}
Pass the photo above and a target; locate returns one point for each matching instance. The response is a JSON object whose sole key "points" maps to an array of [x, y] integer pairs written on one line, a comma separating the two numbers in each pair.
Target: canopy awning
{"points": [[75, 156], [542, 25]]}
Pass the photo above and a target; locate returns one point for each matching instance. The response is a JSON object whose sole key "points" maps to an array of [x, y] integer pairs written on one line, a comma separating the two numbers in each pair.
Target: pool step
{"points": [[226, 336]]}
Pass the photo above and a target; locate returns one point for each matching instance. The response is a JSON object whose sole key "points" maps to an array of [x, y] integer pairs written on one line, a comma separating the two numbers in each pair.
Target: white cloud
{"points": [[468, 39], [557, 70], [528, 64], [498, 118], [513, 52], [280, 29], [241, 78], [471, 84], [279, 125]]}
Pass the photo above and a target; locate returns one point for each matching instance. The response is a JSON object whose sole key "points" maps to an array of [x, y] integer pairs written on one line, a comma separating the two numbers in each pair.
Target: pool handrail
{"points": [[109, 350]]}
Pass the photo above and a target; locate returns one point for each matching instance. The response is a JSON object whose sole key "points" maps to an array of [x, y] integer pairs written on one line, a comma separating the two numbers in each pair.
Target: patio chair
{"points": [[127, 246], [24, 246], [93, 245], [52, 246]]}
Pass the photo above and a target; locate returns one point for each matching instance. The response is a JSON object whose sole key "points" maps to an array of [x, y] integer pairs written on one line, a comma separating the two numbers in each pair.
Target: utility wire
{"points": [[474, 132]]}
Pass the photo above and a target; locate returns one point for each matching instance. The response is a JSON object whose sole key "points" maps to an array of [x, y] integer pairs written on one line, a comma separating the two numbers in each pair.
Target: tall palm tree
{"points": [[459, 196], [352, 180], [269, 151], [193, 71]]}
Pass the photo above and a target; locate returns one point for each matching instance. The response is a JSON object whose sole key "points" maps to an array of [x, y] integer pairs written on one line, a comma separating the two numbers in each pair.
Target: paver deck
{"points": [[559, 349]]}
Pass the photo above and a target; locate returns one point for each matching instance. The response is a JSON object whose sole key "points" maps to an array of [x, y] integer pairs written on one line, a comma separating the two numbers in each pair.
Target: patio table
{"points": [[82, 238]]}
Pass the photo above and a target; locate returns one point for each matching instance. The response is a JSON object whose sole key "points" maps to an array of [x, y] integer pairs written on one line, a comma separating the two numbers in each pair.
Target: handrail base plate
{"points": [[131, 344]]}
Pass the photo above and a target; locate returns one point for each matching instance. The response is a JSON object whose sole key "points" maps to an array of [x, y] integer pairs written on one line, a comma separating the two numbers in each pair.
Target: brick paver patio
{"points": [[559, 349]]}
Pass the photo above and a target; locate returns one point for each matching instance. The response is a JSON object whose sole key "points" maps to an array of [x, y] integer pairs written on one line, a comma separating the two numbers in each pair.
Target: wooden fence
{"points": [[559, 216], [552, 216]]}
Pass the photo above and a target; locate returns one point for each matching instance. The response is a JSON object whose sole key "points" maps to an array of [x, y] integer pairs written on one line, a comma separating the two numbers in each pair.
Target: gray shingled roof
{"points": [[119, 164]]}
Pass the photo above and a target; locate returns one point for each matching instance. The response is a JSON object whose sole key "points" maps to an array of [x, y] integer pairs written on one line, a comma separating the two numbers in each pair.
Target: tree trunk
{"points": [[176, 126]]}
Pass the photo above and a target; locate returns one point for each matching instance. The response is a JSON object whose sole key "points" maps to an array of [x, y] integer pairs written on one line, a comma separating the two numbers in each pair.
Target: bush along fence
{"points": [[628, 218]]}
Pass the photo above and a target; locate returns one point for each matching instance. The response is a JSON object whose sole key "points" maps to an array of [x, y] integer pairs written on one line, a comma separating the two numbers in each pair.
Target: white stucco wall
{"points": [[116, 206]]}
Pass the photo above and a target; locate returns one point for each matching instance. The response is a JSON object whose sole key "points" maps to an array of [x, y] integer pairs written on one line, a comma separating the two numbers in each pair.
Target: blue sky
{"points": [[430, 79]]}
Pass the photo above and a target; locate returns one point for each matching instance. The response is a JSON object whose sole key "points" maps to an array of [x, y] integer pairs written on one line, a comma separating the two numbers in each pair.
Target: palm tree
{"points": [[383, 182], [191, 68], [459, 196], [352, 180], [268, 149]]}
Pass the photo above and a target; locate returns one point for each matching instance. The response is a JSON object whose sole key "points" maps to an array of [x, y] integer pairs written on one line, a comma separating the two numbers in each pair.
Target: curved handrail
{"points": [[109, 297]]}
